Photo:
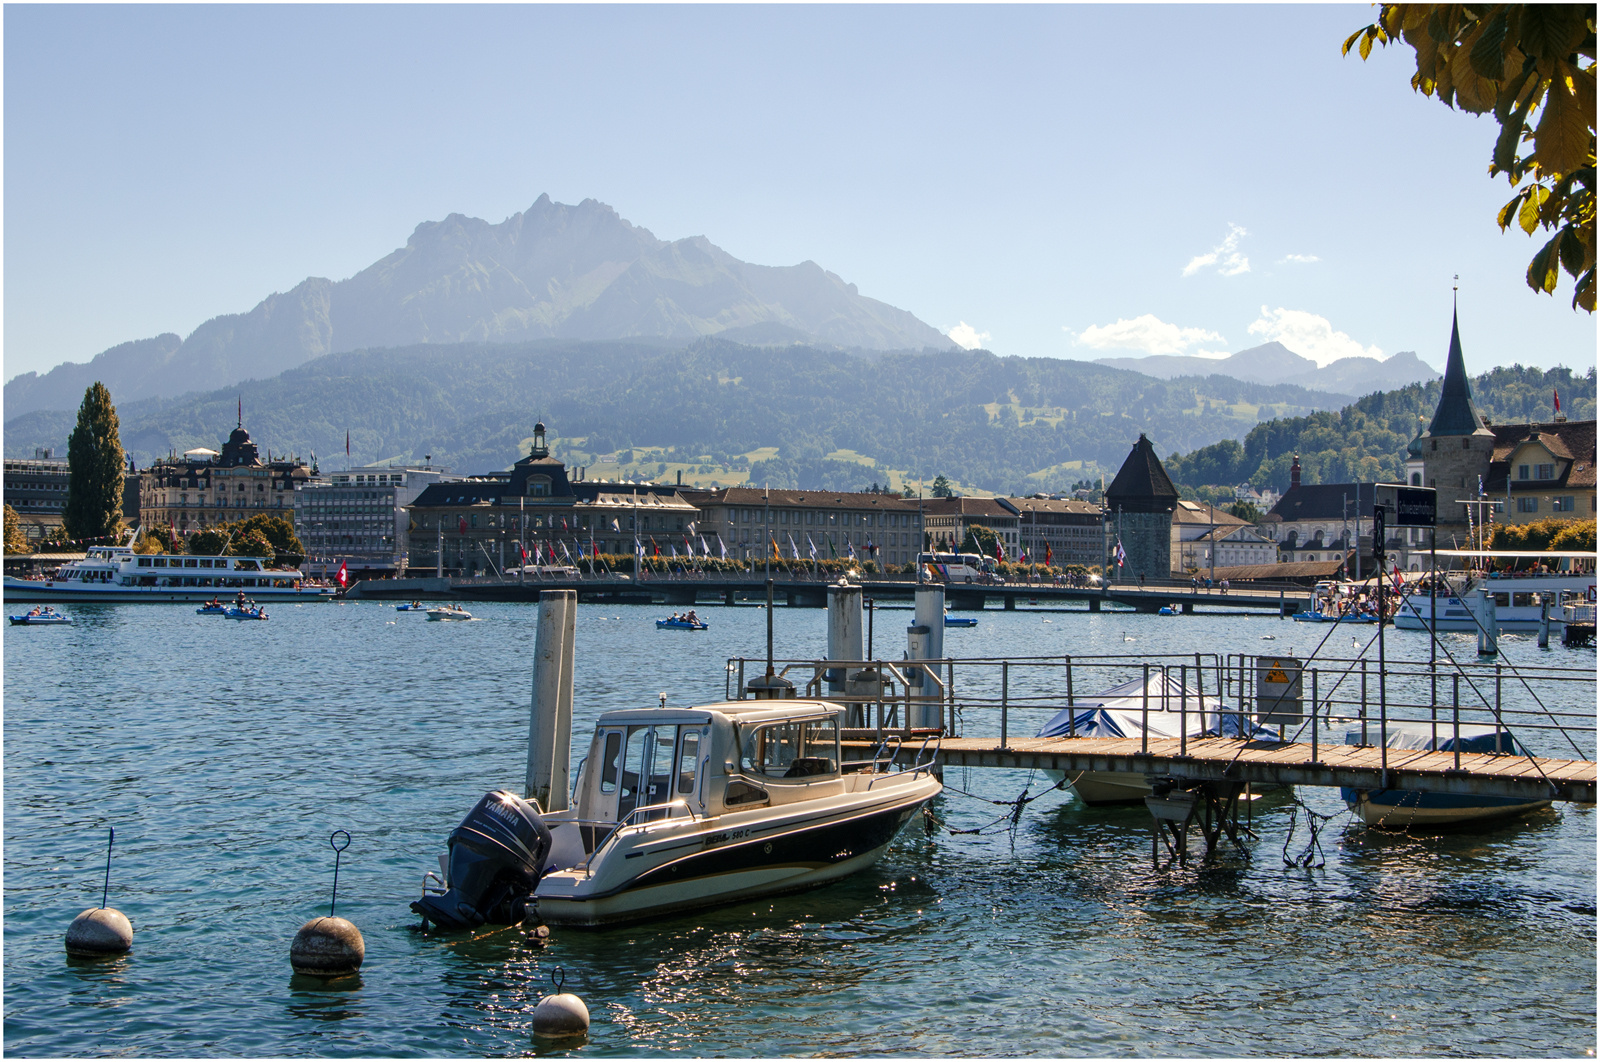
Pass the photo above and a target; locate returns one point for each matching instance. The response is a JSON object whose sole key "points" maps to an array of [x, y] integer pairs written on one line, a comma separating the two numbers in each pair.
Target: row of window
{"points": [[846, 519], [1540, 471], [1561, 504]]}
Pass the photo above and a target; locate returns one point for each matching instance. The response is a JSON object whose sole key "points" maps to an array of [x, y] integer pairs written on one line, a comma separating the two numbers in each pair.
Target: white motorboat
{"points": [[1159, 706], [1398, 809], [118, 574], [682, 808], [449, 612]]}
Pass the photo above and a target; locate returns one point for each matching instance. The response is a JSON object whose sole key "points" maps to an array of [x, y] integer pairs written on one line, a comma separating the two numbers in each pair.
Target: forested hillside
{"points": [[982, 420], [1367, 439]]}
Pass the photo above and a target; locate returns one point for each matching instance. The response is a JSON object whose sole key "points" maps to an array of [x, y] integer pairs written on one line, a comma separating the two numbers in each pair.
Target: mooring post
{"points": [[844, 632], [550, 719], [1488, 625], [1544, 620]]}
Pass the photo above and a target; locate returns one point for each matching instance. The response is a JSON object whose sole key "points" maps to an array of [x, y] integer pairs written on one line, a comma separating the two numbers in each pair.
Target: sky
{"points": [[1045, 181]]}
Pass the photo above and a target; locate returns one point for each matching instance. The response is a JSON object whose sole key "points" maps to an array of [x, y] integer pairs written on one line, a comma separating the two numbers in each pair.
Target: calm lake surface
{"points": [[225, 753]]}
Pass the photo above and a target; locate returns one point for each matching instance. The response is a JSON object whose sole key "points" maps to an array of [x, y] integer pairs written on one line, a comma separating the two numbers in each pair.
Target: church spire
{"points": [[1456, 415]]}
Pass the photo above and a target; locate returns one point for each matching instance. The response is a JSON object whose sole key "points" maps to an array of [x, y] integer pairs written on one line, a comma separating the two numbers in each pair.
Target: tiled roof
{"points": [[1571, 441], [825, 499], [1056, 505], [1142, 485], [1323, 501]]}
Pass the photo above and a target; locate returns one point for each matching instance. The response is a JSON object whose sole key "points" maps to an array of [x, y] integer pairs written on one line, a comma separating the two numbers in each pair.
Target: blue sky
{"points": [[1068, 181]]}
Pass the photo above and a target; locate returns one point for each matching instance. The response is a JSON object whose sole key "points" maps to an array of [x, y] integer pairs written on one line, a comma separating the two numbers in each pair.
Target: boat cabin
{"points": [[657, 763]]}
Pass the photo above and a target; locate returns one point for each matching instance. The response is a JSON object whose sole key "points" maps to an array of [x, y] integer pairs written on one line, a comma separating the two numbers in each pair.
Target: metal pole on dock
{"points": [[1455, 715], [1183, 709], [1005, 699], [1314, 716], [1378, 551], [1072, 709], [1144, 712]]}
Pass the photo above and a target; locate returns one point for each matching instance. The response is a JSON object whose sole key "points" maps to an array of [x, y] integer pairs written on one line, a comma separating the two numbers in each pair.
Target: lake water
{"points": [[225, 753]]}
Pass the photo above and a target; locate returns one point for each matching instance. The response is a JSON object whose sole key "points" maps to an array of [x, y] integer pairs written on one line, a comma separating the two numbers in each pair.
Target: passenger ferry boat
{"points": [[117, 573], [1518, 598]]}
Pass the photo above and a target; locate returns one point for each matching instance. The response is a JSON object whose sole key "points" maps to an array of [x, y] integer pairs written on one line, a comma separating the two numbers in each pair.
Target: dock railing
{"points": [[1548, 709]]}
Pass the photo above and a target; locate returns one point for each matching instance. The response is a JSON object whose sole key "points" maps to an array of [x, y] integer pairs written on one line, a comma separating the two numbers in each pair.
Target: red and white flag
{"points": [[344, 574]]}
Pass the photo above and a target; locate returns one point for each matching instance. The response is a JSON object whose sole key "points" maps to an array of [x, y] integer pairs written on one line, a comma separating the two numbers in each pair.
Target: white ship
{"points": [[117, 573], [1518, 600]]}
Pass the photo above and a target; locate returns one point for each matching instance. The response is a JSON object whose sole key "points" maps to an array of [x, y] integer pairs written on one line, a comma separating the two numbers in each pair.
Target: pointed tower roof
{"points": [[1456, 415], [1142, 485]]}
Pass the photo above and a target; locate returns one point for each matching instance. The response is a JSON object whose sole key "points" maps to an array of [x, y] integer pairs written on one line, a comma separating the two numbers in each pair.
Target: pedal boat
{"points": [[682, 808]]}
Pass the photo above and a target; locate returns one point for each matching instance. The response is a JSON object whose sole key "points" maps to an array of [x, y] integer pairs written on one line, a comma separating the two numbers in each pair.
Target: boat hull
{"points": [[701, 866], [1399, 809], [34, 592]]}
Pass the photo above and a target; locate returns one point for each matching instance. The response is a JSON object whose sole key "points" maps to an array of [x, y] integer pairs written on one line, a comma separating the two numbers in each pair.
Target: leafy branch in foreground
{"points": [[1532, 65]]}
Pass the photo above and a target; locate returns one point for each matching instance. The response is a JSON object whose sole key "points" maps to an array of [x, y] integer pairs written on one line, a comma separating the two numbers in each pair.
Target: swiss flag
{"points": [[344, 574]]}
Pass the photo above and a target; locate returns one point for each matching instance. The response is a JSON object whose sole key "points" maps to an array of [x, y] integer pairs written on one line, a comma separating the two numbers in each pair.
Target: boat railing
{"points": [[637, 819]]}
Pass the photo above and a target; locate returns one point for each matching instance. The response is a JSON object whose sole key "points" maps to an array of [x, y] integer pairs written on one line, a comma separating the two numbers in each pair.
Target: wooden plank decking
{"points": [[1230, 759]]}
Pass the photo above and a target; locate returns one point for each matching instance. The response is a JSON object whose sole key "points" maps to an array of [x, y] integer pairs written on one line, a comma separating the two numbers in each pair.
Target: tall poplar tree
{"points": [[94, 469]]}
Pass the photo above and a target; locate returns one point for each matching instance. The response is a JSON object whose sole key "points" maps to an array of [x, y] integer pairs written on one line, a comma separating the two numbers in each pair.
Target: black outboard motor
{"points": [[496, 855]]}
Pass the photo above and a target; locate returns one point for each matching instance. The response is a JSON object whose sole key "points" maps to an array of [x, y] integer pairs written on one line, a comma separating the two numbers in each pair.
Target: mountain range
{"points": [[551, 272], [1274, 363], [1001, 423]]}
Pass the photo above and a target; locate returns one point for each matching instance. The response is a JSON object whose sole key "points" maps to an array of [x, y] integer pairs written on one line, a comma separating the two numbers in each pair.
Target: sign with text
{"points": [[1278, 691], [1407, 506]]}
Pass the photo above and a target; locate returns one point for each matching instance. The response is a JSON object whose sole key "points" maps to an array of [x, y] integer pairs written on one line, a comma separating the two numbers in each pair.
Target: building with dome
{"points": [[480, 525], [204, 488]]}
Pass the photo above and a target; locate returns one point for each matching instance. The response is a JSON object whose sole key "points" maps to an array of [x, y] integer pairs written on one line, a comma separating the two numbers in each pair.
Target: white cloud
{"points": [[1298, 258], [967, 337], [1145, 333], [1309, 336], [1224, 256]]}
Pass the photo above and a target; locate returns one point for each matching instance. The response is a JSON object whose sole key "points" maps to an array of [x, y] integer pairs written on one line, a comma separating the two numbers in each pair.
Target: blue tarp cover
{"points": [[1475, 737], [1117, 712]]}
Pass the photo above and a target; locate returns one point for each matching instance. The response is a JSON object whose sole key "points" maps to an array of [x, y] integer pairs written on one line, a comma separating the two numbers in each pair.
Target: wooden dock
{"points": [[1271, 762]]}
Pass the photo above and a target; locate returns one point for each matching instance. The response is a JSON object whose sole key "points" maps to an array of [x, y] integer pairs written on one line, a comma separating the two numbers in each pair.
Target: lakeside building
{"points": [[1325, 521], [205, 487], [947, 521], [1139, 507], [480, 524], [358, 517], [36, 488], [882, 527], [1206, 538], [1073, 530]]}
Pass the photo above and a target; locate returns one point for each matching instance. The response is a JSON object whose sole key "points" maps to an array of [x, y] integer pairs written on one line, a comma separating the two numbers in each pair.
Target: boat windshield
{"points": [[791, 748]]}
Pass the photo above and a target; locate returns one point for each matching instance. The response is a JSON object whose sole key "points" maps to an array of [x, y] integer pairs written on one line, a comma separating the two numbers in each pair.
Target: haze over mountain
{"points": [[553, 271], [1274, 363], [986, 420]]}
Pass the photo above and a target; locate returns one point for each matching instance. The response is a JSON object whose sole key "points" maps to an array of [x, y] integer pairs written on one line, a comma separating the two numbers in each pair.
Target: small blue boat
{"points": [[415, 606], [960, 621], [212, 609], [257, 613], [40, 617], [680, 625], [1170, 610]]}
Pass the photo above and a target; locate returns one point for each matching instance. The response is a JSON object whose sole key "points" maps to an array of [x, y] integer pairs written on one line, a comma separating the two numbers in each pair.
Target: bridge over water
{"points": [[805, 592]]}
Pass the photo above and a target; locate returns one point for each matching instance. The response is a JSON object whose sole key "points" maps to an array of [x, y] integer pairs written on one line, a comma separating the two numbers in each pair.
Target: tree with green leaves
{"points": [[278, 533], [93, 508], [16, 537], [210, 542], [252, 543], [941, 487], [1532, 65], [1245, 511], [981, 540]]}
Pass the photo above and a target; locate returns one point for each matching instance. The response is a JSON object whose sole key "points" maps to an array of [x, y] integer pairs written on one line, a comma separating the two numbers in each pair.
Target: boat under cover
{"points": [[1398, 809], [1162, 708]]}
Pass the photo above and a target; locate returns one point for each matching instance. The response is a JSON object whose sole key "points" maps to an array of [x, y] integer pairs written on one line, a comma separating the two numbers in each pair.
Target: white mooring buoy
{"points": [[101, 931], [329, 947], [560, 1014]]}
